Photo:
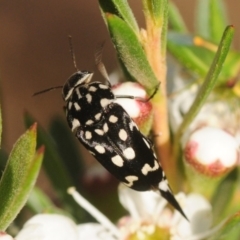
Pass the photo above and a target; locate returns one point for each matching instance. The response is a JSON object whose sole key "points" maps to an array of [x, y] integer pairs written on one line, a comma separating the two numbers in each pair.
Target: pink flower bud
{"points": [[211, 151], [139, 111]]}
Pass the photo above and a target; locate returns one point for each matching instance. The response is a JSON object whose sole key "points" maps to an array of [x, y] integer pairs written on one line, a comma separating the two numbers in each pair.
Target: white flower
{"points": [[55, 226], [149, 217], [148, 212], [48, 227], [94, 231]]}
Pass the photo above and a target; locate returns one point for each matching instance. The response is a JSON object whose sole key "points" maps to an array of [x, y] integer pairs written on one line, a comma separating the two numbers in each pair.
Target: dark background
{"points": [[34, 52]]}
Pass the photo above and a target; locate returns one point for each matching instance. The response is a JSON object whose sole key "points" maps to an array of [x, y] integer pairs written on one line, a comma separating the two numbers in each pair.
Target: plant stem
{"points": [[155, 45]]}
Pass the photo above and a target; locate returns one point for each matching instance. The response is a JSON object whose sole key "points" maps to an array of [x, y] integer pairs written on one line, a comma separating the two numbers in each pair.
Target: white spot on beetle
{"points": [[113, 119], [89, 98], [117, 160], [100, 149], [102, 86], [89, 122], [99, 131], [163, 185], [78, 93], [92, 89], [77, 107], [75, 124], [130, 180], [131, 125], [129, 153], [104, 102], [98, 116], [69, 105], [105, 127], [122, 134], [147, 168], [88, 135]]}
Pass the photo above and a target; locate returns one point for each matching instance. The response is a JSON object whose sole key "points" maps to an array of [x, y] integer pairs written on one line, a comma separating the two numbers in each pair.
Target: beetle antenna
{"points": [[72, 52], [46, 90], [98, 61]]}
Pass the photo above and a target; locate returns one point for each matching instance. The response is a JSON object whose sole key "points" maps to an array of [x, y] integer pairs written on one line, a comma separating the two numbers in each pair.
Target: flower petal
{"points": [[48, 227], [93, 231], [199, 213], [141, 205]]}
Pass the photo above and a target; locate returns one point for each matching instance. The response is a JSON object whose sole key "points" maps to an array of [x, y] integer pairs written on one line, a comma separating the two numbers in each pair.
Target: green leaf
{"points": [[209, 83], [56, 170], [121, 9], [131, 52], [230, 229], [176, 21], [52, 161], [231, 67], [223, 195], [68, 148], [197, 59], [211, 19], [19, 176], [39, 202]]}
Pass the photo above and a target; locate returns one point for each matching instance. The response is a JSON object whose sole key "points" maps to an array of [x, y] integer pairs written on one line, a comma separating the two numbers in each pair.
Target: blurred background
{"points": [[34, 52], [34, 55]]}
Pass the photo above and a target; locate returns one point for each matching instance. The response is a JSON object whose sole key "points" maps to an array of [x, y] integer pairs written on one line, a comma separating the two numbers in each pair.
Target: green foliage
{"points": [[19, 176], [206, 55], [197, 51]]}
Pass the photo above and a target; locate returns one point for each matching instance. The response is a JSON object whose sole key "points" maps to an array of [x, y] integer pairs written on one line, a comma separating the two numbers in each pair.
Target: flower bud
{"points": [[139, 111], [211, 151]]}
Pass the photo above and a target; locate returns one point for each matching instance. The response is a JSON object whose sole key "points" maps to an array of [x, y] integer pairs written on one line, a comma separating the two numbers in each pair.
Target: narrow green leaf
{"points": [[218, 20], [231, 67], [230, 229], [223, 195], [196, 59], [19, 176], [39, 202], [209, 82], [211, 19], [56, 170], [131, 52], [52, 161], [176, 21], [202, 19], [122, 9], [67, 147]]}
